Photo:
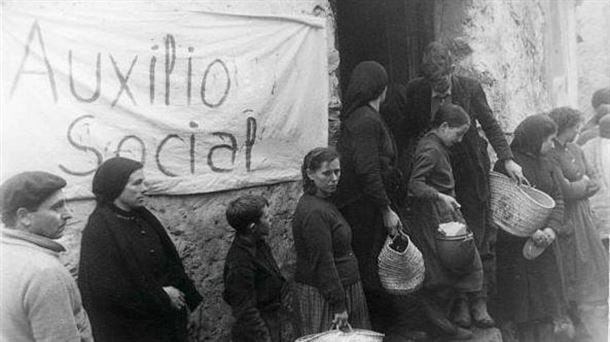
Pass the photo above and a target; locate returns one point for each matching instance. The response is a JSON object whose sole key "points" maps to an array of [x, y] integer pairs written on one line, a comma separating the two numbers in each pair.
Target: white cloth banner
{"points": [[207, 101]]}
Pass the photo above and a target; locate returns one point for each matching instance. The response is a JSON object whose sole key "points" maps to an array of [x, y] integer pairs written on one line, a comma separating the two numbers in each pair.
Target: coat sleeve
{"points": [[240, 290], [367, 163], [571, 191], [490, 125], [393, 111], [556, 218], [184, 283], [179, 278], [425, 160], [318, 241], [590, 169], [48, 301], [106, 279]]}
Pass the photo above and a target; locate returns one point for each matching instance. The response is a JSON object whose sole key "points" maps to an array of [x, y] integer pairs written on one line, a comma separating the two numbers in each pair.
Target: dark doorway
{"points": [[391, 32]]}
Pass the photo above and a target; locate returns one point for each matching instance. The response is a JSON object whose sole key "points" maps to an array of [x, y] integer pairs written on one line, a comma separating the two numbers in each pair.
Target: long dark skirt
{"points": [[368, 236], [528, 290], [315, 312], [584, 258], [273, 321]]}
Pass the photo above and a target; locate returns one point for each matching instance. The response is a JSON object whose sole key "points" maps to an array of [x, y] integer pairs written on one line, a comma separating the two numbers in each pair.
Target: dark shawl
{"points": [[366, 145], [530, 290], [124, 300], [531, 133]]}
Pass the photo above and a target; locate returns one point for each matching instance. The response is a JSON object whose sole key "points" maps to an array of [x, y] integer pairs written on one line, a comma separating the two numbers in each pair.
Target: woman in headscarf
{"points": [[584, 258], [530, 292], [132, 280], [369, 182]]}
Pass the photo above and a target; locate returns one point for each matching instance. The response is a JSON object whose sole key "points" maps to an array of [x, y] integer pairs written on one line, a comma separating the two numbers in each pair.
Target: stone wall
{"points": [[197, 224], [518, 50], [593, 48]]}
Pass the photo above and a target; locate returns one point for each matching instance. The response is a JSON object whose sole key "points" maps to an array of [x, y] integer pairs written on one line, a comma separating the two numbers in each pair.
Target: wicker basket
{"points": [[336, 335], [401, 273], [518, 209]]}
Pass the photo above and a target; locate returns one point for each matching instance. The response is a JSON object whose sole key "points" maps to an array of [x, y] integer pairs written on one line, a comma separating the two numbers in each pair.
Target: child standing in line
{"points": [[432, 192]]}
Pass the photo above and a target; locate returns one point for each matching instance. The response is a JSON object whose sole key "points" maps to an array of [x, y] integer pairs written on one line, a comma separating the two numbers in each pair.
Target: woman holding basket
{"points": [[530, 292], [329, 290], [369, 193], [433, 186]]}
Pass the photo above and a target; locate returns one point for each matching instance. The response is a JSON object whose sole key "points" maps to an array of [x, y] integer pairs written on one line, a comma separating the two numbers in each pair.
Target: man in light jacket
{"points": [[39, 299]]}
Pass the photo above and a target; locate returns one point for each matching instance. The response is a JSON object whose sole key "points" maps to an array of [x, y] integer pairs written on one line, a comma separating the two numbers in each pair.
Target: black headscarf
{"points": [[367, 82], [531, 133], [111, 177]]}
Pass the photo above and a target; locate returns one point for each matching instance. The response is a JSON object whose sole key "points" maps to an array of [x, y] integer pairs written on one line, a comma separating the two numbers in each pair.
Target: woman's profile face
{"points": [[547, 144], [326, 177], [383, 95], [452, 135], [571, 132], [132, 195]]}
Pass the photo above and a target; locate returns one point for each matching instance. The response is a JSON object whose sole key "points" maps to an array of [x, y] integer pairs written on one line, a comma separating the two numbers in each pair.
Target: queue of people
{"points": [[408, 160]]}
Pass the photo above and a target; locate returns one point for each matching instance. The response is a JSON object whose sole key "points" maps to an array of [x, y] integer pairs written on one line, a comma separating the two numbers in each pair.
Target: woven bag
{"points": [[403, 272], [336, 335], [516, 208]]}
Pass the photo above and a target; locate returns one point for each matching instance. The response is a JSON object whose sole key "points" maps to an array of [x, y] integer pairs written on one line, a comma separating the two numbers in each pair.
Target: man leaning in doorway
{"points": [[39, 299], [413, 108]]}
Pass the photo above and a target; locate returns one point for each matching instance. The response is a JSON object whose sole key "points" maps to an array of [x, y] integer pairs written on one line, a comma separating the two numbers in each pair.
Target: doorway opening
{"points": [[391, 32]]}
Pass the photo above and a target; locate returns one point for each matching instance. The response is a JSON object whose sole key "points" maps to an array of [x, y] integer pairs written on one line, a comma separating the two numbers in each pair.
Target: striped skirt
{"points": [[315, 313]]}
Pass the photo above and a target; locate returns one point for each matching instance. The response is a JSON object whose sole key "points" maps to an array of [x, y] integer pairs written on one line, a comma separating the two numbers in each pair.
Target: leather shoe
{"points": [[480, 316], [437, 317], [461, 314]]}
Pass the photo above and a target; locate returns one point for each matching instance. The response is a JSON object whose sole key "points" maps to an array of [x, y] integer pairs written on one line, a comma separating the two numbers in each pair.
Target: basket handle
{"points": [[524, 182], [401, 233], [334, 326]]}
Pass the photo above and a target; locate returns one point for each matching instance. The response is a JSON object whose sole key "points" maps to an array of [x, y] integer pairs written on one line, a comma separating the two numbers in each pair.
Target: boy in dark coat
{"points": [[252, 278]]}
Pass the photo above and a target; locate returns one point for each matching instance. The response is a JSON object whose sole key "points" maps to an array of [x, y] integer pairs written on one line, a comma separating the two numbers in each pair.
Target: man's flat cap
{"points": [[28, 190]]}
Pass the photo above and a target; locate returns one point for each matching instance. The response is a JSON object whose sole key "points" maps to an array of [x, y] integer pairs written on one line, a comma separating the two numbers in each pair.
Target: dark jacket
{"points": [[571, 160], [532, 290], [409, 109], [322, 239], [126, 258], [432, 173], [368, 158], [253, 288]]}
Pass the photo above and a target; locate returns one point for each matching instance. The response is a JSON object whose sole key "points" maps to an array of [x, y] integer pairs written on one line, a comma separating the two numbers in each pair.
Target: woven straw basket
{"points": [[336, 335], [518, 209], [401, 273]]}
